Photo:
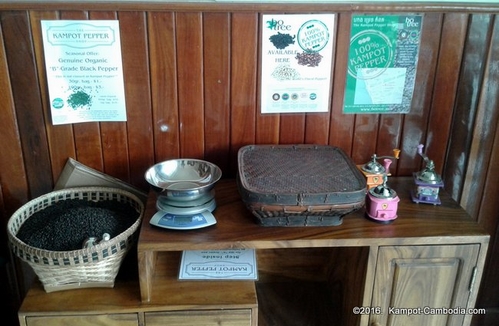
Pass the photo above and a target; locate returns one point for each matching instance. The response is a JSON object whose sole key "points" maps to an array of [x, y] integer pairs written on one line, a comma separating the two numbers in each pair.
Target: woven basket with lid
{"points": [[299, 185]]}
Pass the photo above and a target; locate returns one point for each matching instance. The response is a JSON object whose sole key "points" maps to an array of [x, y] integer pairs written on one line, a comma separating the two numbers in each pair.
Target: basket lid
{"points": [[298, 169]]}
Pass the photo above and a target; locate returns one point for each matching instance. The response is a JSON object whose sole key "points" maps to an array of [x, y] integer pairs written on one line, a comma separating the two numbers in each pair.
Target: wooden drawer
{"points": [[233, 317], [84, 320]]}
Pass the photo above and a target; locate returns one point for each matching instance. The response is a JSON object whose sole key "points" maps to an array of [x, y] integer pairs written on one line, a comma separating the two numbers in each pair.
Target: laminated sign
{"points": [[235, 264], [296, 62], [84, 70], [382, 63]]}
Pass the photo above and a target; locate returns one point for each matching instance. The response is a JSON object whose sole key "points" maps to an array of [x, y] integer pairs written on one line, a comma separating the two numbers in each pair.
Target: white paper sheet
{"points": [[84, 70]]}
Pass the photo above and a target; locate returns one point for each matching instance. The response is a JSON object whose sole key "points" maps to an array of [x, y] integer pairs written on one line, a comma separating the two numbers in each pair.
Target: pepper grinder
{"points": [[374, 171], [382, 202], [427, 182]]}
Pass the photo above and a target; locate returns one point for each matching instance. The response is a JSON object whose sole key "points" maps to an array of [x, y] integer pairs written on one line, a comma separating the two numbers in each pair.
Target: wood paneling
{"points": [[189, 27], [243, 87], [467, 97], [484, 128], [13, 189], [416, 121], [454, 27], [480, 187], [134, 44], [26, 94], [216, 52], [191, 74], [163, 69]]}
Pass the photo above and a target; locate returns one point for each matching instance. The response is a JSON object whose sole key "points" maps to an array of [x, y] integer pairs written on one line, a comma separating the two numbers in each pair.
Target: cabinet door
{"points": [[84, 320], [238, 317], [412, 282]]}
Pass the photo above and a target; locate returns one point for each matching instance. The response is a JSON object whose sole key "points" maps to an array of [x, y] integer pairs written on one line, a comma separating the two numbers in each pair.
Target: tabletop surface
{"points": [[236, 227]]}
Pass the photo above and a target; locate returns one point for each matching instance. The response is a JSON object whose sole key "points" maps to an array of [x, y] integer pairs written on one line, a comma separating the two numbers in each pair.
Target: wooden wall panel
{"points": [[27, 100], [364, 142], [446, 80], [479, 191], [138, 94], [292, 129], [416, 121], [163, 68], [389, 137], [486, 122], [243, 86], [216, 52], [13, 181], [470, 82], [316, 128], [190, 72]]}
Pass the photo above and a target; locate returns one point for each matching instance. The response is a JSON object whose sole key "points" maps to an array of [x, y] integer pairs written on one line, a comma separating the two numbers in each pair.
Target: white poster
{"points": [[297, 55], [84, 70]]}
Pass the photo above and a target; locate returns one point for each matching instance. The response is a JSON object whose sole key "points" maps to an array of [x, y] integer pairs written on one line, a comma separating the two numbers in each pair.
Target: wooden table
{"points": [[435, 231], [358, 273]]}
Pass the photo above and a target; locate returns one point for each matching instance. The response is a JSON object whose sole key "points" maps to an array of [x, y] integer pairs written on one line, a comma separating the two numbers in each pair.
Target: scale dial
{"points": [[187, 215], [183, 222]]}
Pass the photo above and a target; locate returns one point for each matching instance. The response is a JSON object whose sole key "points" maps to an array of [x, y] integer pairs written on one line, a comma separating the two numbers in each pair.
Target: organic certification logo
{"points": [[57, 103]]}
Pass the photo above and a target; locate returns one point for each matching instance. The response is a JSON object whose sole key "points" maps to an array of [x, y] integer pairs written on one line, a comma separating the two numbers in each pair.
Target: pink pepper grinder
{"points": [[382, 203]]}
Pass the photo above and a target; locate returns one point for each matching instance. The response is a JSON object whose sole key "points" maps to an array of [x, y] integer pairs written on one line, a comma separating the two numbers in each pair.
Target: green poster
{"points": [[382, 63]]}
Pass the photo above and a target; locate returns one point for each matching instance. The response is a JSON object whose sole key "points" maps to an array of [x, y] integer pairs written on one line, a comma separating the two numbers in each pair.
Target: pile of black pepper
{"points": [[281, 41], [65, 225], [79, 99]]}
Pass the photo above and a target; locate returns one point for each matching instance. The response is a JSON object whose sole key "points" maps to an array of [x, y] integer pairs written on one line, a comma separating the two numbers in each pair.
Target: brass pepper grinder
{"points": [[427, 182], [374, 171]]}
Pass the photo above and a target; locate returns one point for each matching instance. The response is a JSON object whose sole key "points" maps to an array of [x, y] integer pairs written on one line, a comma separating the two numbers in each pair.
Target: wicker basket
{"points": [[96, 266], [299, 185]]}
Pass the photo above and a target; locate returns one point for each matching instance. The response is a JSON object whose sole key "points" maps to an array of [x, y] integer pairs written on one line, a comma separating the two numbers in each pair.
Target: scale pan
{"points": [[183, 179]]}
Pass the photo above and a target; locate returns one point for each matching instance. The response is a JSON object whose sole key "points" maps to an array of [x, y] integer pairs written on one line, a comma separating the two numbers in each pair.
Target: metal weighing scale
{"points": [[185, 215], [186, 198]]}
